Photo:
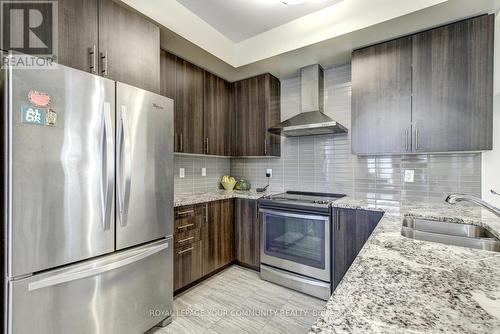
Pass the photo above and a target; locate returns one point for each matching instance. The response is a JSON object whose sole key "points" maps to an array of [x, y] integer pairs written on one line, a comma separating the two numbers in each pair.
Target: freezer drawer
{"points": [[127, 292]]}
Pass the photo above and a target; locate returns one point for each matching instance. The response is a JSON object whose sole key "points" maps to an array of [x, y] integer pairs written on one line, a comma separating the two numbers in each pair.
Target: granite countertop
{"points": [[400, 285], [216, 195]]}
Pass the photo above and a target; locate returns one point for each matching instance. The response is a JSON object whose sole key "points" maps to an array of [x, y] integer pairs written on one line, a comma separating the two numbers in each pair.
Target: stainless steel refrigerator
{"points": [[88, 219]]}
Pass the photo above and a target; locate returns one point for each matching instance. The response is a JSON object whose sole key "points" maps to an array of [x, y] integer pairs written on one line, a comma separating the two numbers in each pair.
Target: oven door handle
{"points": [[294, 215]]}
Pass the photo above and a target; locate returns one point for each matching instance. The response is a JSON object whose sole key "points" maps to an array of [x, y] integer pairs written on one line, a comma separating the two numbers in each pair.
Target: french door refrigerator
{"points": [[88, 217]]}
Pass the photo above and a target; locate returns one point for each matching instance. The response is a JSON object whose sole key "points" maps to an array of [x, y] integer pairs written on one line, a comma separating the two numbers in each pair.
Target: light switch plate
{"points": [[182, 173], [203, 171], [269, 172], [409, 175]]}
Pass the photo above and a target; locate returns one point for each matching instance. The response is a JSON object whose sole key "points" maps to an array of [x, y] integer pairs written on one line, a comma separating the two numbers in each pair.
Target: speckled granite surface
{"points": [[196, 198], [399, 285]]}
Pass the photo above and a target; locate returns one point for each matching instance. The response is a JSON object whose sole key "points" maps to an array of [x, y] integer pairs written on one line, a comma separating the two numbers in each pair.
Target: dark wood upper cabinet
{"points": [[453, 87], [218, 235], [257, 107], [168, 82], [129, 47], [429, 92], [351, 230], [78, 34], [381, 98], [188, 115], [217, 115], [247, 233]]}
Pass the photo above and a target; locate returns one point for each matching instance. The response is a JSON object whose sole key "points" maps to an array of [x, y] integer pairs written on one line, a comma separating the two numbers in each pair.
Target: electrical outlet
{"points": [[182, 173], [203, 171], [409, 175], [269, 172]]}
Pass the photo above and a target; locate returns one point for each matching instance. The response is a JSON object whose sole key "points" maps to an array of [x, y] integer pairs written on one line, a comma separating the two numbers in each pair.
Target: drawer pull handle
{"points": [[182, 213], [184, 226], [184, 240], [185, 250]]}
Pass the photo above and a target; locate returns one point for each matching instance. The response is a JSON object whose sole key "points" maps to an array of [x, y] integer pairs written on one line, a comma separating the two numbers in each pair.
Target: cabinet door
{"points": [[168, 74], [250, 108], [217, 116], [273, 117], [78, 34], [453, 87], [187, 264], [247, 231], [129, 47], [218, 237], [381, 98], [189, 108], [351, 230]]}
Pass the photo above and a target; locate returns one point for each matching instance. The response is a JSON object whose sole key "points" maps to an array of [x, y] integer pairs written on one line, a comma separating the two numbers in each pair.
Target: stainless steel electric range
{"points": [[296, 241]]}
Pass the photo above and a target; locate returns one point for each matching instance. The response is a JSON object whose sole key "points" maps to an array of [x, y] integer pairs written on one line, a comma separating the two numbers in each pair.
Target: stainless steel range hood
{"points": [[311, 120]]}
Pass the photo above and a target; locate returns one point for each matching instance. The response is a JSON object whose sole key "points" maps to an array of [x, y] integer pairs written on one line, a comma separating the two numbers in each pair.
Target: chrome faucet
{"points": [[455, 198]]}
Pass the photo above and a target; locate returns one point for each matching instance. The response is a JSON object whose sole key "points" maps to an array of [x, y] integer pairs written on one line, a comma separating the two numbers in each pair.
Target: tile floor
{"points": [[238, 301]]}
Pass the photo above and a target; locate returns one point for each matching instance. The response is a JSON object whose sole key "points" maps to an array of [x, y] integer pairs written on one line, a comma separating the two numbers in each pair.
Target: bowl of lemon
{"points": [[228, 182]]}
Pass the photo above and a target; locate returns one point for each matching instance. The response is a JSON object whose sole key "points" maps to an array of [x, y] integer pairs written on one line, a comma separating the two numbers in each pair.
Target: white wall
{"points": [[491, 160]]}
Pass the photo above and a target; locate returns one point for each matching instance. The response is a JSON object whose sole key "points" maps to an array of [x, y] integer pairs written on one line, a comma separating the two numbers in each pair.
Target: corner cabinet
{"points": [[257, 108], [429, 92]]}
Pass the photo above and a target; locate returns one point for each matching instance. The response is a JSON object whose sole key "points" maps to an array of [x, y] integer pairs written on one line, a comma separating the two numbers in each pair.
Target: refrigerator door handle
{"points": [[108, 201], [75, 275], [124, 138]]}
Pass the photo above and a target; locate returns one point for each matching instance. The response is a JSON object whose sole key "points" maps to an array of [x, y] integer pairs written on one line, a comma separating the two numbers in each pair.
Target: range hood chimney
{"points": [[311, 120]]}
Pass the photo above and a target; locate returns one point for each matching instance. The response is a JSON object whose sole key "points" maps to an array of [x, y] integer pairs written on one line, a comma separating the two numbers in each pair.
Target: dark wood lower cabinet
{"points": [[247, 233], [218, 235], [187, 264], [351, 229]]}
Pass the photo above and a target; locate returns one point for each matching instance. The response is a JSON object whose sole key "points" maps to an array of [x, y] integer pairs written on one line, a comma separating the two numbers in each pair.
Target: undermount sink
{"points": [[455, 234]]}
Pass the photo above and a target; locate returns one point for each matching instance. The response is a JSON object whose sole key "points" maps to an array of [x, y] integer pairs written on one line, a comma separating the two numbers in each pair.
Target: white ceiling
{"points": [[242, 19]]}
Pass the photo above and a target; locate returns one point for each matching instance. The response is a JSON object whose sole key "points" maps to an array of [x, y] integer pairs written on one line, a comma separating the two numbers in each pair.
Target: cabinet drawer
{"points": [[185, 212], [187, 264], [187, 237]]}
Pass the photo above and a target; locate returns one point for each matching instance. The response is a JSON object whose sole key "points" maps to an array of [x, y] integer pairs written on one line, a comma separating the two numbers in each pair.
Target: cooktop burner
{"points": [[307, 197], [297, 199]]}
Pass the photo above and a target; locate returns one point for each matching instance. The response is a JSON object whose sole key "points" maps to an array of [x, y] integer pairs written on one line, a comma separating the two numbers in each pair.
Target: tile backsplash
{"points": [[325, 163], [193, 180]]}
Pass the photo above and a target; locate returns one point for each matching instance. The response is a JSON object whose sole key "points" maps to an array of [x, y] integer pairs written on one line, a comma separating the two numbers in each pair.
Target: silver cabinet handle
{"points": [[184, 240], [181, 148], [185, 250], [93, 55], [182, 213], [104, 61], [206, 145], [110, 173], [337, 217], [124, 138], [206, 213], [184, 226], [265, 146], [75, 275], [406, 140], [416, 139]]}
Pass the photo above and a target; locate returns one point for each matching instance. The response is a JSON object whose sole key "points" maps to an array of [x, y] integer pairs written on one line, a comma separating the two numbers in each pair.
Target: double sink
{"points": [[456, 234]]}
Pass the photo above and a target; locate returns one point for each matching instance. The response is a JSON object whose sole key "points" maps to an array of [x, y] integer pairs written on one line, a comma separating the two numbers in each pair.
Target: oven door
{"points": [[299, 243]]}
